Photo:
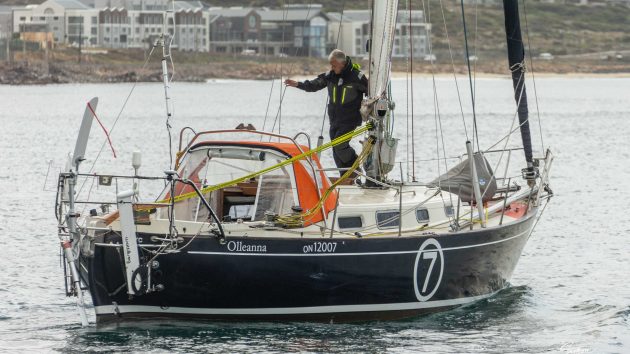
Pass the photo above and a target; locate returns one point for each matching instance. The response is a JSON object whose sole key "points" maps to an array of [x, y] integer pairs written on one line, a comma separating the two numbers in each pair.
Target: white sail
{"points": [[381, 44]]}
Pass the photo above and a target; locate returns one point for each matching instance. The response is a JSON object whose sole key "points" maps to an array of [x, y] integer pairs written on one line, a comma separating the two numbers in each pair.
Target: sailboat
{"points": [[250, 227]]}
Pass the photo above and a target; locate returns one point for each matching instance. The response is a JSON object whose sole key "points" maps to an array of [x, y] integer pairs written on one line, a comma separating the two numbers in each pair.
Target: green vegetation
{"points": [[555, 28], [565, 31]]}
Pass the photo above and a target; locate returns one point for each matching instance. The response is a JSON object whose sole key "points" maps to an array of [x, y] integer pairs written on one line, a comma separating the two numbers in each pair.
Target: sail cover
{"points": [[516, 59], [381, 44], [458, 180]]}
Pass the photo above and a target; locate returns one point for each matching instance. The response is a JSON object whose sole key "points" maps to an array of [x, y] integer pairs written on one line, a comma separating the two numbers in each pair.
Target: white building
{"points": [[192, 22], [350, 32], [295, 30], [81, 25], [67, 20], [6, 21], [118, 23], [141, 23]]}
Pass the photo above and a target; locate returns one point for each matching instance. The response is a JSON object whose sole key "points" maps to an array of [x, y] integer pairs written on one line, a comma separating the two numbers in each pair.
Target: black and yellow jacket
{"points": [[345, 92]]}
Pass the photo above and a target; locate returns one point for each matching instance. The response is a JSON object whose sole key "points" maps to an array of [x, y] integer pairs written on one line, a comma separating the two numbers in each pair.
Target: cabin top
{"points": [[293, 188]]}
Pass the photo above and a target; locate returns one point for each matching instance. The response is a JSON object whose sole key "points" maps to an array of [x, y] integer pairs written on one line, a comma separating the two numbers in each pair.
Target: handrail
{"points": [[181, 136], [309, 159], [205, 203], [120, 176], [308, 138], [190, 143], [336, 141]]}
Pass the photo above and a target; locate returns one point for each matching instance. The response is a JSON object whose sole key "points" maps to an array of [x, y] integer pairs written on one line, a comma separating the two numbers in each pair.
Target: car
{"points": [[545, 56], [249, 52]]}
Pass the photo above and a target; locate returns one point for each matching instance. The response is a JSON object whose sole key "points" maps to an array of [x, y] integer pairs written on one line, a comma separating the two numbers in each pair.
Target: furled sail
{"points": [[516, 57], [378, 105], [381, 44]]}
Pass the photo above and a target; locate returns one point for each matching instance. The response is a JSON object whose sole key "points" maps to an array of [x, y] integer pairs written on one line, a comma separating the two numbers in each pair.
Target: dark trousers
{"points": [[343, 153]]}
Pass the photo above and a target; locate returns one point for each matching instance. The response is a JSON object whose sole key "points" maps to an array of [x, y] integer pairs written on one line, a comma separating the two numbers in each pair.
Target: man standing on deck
{"points": [[346, 86]]}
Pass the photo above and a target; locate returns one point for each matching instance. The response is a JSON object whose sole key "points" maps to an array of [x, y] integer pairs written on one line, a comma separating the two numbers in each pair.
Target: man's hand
{"points": [[291, 83]]}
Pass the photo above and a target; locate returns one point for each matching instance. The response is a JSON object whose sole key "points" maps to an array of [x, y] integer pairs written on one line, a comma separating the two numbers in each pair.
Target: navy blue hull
{"points": [[324, 279]]}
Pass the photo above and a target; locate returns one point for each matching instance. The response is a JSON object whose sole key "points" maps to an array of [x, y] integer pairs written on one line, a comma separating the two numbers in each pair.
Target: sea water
{"points": [[569, 292]]}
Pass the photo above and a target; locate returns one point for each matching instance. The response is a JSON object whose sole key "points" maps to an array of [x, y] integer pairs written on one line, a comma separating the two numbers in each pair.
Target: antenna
{"points": [[166, 55]]}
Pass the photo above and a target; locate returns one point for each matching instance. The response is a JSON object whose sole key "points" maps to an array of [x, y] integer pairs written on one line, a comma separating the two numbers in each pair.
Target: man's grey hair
{"points": [[337, 55]]}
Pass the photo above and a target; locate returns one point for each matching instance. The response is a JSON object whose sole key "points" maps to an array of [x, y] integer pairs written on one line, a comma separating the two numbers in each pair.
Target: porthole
{"points": [[387, 219], [422, 215], [350, 222]]}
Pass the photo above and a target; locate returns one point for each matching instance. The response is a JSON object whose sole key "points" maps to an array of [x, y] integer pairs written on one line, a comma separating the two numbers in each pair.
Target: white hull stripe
{"points": [[235, 253], [111, 309]]}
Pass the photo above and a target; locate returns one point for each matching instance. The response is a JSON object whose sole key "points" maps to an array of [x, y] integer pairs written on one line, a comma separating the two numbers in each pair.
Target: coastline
{"points": [[121, 67]]}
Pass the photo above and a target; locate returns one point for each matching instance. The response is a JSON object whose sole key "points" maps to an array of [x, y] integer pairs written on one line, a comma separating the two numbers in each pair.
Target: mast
{"points": [[383, 28], [516, 58]]}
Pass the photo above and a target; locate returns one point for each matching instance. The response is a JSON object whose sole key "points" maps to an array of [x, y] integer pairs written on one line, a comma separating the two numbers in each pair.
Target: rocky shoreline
{"points": [[38, 72]]}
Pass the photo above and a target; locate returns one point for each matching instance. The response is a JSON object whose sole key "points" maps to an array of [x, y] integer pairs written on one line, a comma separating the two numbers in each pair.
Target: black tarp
{"points": [[458, 180]]}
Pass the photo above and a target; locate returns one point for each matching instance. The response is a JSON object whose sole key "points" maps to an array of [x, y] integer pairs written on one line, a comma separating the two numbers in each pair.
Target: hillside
{"points": [[554, 28], [557, 29], [582, 40]]}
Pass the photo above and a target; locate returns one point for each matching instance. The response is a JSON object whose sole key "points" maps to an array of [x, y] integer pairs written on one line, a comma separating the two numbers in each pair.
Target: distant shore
{"points": [[119, 67]]}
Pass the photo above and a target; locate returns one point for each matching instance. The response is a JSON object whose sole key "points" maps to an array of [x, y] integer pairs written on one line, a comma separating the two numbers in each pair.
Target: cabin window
{"points": [[448, 210], [422, 215], [387, 219], [274, 194], [249, 199], [350, 222], [240, 211]]}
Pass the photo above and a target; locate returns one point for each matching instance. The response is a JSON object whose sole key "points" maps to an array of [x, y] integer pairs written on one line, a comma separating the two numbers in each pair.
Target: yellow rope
{"points": [[337, 141], [297, 220]]}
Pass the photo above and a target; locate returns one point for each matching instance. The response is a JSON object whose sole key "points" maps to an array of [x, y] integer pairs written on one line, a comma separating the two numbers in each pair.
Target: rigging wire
{"points": [[388, 63], [167, 55], [122, 109], [472, 92], [531, 64], [520, 96], [538, 218], [407, 104], [343, 7], [269, 101], [475, 49], [507, 138], [285, 13], [413, 150], [450, 51], [426, 10], [512, 129], [283, 90], [321, 132]]}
